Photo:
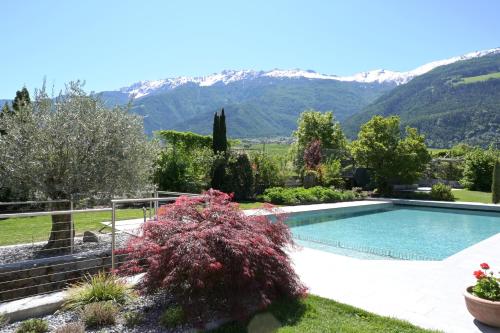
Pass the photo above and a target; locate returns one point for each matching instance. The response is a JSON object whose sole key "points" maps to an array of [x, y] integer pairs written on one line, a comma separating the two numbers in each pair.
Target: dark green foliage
{"points": [[393, 158], [441, 192], [300, 195], [172, 317], [218, 172], [478, 169], [216, 133], [99, 314], [238, 177], [21, 100], [219, 136], [446, 112], [33, 326], [222, 135], [495, 186]]}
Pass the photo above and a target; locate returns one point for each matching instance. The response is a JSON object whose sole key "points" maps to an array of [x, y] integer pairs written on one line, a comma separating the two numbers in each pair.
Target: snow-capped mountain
{"points": [[144, 88]]}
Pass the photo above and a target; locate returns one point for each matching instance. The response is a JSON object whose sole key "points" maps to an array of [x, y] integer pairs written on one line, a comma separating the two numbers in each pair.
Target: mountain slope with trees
{"points": [[455, 103], [254, 108]]}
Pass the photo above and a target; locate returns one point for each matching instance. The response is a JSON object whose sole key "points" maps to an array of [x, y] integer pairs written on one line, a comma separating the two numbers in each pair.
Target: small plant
{"points": [[71, 328], [132, 318], [33, 326], [441, 192], [98, 288], [172, 317], [300, 195], [99, 314], [3, 320], [487, 285]]}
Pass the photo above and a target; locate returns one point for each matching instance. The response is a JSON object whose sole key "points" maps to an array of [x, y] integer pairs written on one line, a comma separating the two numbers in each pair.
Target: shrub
{"points": [[300, 195], [478, 168], [99, 314], [268, 170], [71, 328], [172, 317], [441, 192], [98, 288], [312, 155], [132, 318], [33, 326], [212, 258], [331, 173], [238, 177], [3, 320], [495, 186]]}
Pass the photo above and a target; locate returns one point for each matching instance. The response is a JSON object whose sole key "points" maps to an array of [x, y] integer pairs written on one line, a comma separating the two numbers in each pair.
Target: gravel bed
{"points": [[22, 252], [150, 306]]}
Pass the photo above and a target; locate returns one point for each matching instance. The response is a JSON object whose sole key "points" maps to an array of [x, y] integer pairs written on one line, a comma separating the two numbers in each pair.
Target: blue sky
{"points": [[110, 44]]}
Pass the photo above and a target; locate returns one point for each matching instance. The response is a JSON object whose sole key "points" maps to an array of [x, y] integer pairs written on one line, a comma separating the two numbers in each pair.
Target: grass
{"points": [[472, 196], [37, 228], [316, 314], [275, 149], [479, 78], [250, 204]]}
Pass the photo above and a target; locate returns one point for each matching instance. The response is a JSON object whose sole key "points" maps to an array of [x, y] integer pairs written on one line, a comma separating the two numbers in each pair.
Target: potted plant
{"points": [[483, 299]]}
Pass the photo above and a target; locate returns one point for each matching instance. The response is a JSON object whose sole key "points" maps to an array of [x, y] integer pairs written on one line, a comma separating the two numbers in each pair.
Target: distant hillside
{"points": [[264, 106], [455, 103]]}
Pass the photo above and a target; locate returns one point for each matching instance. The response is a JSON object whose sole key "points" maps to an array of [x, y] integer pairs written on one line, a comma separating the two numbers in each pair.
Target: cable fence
{"points": [[43, 251]]}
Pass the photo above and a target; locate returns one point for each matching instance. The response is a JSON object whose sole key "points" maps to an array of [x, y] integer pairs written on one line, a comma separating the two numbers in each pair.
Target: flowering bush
{"points": [[487, 285], [212, 258]]}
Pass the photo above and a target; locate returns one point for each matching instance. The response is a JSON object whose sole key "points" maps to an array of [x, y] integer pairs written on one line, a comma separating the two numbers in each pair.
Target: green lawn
{"points": [[472, 196], [271, 148], [37, 228], [250, 204], [318, 315]]}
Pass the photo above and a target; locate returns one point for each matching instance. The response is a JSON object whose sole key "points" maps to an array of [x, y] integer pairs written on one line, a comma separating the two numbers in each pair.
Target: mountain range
{"points": [[450, 101]]}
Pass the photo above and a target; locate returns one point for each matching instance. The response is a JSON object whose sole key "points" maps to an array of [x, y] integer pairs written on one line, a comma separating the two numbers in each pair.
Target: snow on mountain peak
{"points": [[144, 88]]}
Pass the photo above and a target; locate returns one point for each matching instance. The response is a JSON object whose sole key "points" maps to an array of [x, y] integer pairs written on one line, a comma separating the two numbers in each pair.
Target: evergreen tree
{"points": [[21, 100], [222, 132], [215, 133], [495, 186]]}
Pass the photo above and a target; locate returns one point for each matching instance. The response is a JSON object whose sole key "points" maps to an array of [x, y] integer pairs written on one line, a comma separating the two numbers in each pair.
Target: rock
{"points": [[90, 237]]}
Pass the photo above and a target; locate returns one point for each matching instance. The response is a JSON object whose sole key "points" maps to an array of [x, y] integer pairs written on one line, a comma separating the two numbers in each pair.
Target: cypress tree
{"points": [[215, 133], [222, 132], [495, 186], [21, 100]]}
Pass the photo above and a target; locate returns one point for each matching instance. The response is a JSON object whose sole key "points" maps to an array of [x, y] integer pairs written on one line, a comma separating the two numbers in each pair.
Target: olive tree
{"points": [[56, 147], [391, 156]]}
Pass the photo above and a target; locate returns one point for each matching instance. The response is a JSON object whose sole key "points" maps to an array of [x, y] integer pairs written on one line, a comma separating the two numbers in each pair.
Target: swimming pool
{"points": [[397, 232]]}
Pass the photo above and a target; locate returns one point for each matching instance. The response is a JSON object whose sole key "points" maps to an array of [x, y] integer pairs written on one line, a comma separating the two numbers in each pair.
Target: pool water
{"points": [[400, 232]]}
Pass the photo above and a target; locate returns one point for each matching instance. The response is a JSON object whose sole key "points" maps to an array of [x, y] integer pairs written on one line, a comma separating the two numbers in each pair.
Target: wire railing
{"points": [[383, 253], [48, 270]]}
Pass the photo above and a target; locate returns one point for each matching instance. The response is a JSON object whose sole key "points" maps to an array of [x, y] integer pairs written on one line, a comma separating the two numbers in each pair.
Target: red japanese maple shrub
{"points": [[212, 258], [312, 155]]}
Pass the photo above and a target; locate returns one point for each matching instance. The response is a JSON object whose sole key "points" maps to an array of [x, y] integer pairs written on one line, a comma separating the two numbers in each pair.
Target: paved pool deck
{"points": [[426, 293]]}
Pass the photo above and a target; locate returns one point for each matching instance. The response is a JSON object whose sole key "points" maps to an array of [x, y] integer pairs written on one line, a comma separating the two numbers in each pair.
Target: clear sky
{"points": [[113, 43]]}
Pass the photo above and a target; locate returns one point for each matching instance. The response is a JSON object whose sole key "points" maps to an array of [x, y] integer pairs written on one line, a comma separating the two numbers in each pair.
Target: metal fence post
{"points": [[113, 220], [71, 227], [144, 212]]}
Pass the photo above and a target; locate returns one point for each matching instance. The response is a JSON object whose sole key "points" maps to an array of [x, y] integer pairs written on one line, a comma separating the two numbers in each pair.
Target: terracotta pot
{"points": [[487, 312]]}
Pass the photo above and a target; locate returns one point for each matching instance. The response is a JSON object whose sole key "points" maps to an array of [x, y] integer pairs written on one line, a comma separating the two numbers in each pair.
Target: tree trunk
{"points": [[60, 234]]}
